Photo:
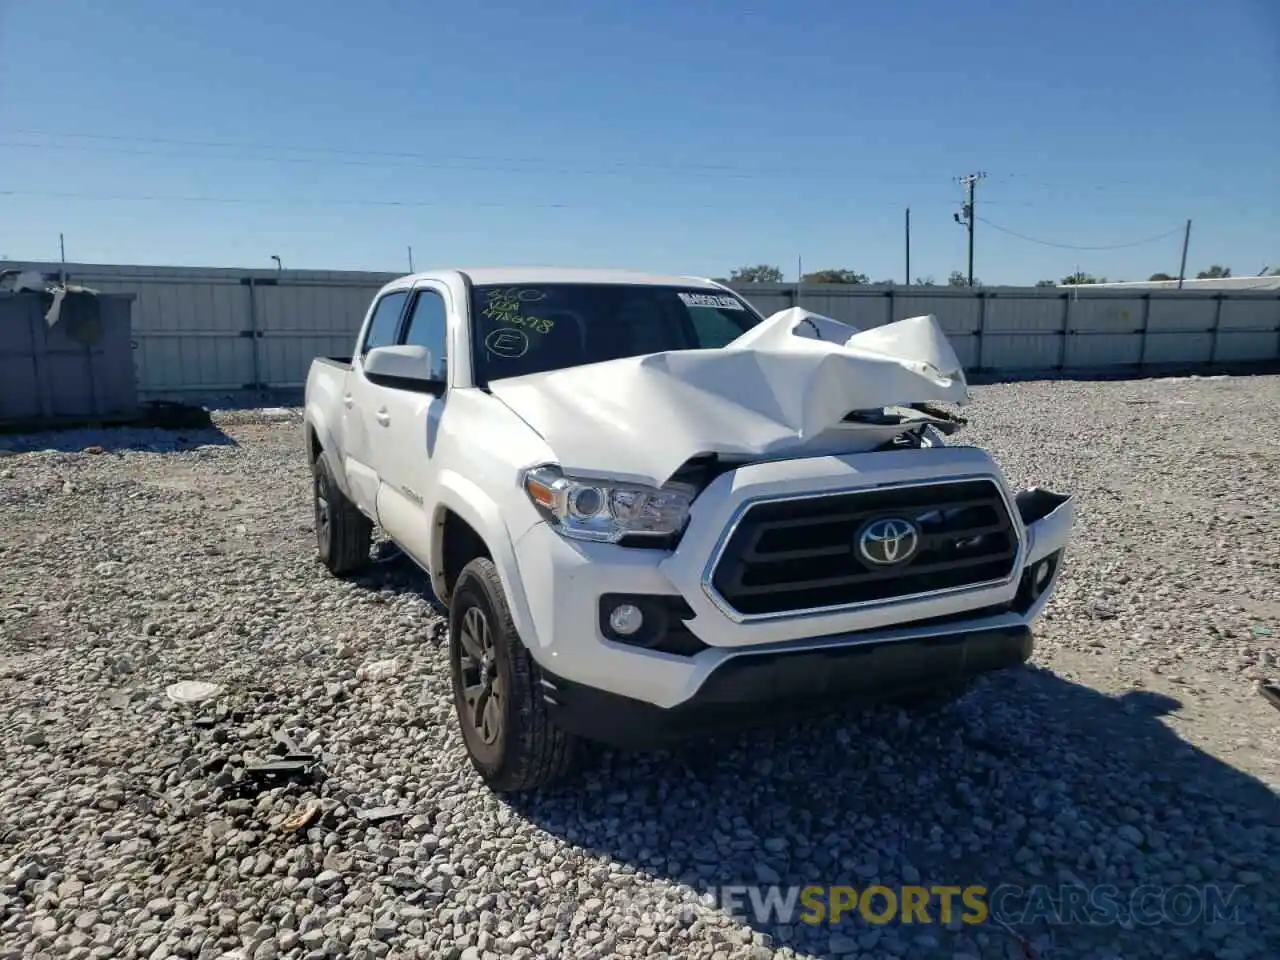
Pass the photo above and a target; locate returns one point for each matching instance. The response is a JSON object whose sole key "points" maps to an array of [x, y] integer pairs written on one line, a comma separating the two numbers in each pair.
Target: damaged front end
{"points": [[797, 385]]}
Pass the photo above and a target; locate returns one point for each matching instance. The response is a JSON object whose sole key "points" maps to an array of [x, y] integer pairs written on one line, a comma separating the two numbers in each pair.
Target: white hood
{"points": [[785, 382]]}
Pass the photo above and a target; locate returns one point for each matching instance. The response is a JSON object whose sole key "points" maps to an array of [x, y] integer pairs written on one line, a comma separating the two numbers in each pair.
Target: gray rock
{"points": [[766, 874], [840, 945], [1130, 834], [195, 560]]}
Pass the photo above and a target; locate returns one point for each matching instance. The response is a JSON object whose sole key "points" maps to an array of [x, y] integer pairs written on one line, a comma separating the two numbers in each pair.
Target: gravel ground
{"points": [[1136, 753]]}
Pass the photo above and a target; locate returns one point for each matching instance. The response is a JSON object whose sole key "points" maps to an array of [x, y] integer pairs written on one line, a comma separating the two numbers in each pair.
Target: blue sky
{"points": [[689, 136]]}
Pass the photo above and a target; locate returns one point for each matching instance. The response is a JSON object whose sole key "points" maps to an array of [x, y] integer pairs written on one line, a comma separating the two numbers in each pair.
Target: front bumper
{"points": [[561, 583], [755, 689]]}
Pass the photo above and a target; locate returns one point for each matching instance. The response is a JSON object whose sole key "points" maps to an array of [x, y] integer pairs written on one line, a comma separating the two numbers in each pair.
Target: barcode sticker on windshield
{"points": [[713, 300]]}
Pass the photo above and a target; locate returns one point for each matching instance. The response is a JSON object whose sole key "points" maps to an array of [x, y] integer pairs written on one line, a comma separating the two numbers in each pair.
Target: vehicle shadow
{"points": [[391, 570], [1030, 785], [161, 427]]}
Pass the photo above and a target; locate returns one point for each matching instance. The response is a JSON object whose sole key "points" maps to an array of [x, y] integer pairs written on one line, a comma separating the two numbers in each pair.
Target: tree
{"points": [[958, 279], [925, 282], [760, 273], [1275, 272], [1080, 279], [1161, 276], [1215, 272], [835, 276], [1046, 283]]}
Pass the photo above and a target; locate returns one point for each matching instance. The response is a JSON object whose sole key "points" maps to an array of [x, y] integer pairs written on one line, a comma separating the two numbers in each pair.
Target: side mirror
{"points": [[408, 367]]}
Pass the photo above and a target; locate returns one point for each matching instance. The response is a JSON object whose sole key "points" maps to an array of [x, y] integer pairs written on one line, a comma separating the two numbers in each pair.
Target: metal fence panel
{"points": [[1176, 314], [1189, 347], [955, 314], [1105, 315], [214, 330], [1235, 346], [768, 303], [1017, 351], [1014, 314], [1248, 314], [1091, 351]]}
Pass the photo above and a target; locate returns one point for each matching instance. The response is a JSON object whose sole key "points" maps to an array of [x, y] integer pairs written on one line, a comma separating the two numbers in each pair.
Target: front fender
{"points": [[474, 505]]}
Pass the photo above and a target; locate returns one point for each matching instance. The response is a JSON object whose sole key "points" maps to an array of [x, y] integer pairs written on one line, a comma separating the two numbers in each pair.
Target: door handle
{"points": [[384, 418], [348, 401]]}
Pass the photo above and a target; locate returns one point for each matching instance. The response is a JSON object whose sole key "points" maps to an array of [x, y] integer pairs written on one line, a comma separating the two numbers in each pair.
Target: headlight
{"points": [[604, 511]]}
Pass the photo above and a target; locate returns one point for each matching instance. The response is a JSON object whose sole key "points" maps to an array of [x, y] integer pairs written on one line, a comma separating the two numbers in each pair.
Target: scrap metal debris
{"points": [[302, 818], [379, 814], [188, 692], [19, 281], [378, 670]]}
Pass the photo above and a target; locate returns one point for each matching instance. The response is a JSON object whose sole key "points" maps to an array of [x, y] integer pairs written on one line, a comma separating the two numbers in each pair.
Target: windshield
{"points": [[519, 330]]}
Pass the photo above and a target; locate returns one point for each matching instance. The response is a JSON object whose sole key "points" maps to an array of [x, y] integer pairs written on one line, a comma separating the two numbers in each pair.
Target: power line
{"points": [[432, 160], [339, 201], [550, 164], [459, 164], [267, 201], [1069, 246]]}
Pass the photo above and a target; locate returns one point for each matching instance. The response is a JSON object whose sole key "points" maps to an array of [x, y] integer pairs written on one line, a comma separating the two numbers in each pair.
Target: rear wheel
{"points": [[343, 533], [509, 737]]}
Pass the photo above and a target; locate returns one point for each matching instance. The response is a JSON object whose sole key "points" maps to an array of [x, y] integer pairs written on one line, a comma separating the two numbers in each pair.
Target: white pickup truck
{"points": [[652, 512]]}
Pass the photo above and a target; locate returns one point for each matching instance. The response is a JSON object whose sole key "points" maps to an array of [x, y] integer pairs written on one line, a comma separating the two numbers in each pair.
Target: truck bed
{"points": [[342, 363]]}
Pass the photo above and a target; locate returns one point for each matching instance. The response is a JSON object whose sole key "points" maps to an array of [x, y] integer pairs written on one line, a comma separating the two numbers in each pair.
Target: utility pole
{"points": [[411, 259], [907, 281], [966, 216], [1186, 239]]}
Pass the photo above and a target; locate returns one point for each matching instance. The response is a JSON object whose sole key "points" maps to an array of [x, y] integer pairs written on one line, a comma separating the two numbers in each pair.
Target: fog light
{"points": [[626, 619], [1043, 569]]}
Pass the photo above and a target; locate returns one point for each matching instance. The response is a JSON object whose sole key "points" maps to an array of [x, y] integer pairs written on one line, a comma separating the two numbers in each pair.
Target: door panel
{"points": [[360, 401], [402, 458], [359, 428], [406, 423]]}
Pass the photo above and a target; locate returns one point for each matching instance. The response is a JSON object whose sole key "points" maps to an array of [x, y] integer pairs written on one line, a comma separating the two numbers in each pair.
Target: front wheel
{"points": [[509, 737]]}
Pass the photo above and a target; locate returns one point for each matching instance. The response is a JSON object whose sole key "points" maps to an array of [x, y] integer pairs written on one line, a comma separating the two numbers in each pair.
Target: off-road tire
{"points": [[344, 538], [529, 751]]}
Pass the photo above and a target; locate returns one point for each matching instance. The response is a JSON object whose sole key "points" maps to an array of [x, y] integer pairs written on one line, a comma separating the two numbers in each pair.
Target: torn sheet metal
{"points": [[18, 281], [782, 388]]}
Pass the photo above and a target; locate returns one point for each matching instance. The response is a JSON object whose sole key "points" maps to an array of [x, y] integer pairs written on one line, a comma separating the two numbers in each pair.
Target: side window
{"points": [[386, 322], [428, 324], [713, 327]]}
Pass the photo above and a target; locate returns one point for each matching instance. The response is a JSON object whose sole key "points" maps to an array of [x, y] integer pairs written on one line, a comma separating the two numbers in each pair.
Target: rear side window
{"points": [[386, 322]]}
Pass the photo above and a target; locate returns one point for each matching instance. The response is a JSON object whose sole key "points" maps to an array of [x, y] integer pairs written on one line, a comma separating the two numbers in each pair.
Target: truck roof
{"points": [[518, 275]]}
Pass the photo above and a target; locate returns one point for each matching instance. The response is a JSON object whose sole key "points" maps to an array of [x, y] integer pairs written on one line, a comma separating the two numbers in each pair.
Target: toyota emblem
{"points": [[888, 541]]}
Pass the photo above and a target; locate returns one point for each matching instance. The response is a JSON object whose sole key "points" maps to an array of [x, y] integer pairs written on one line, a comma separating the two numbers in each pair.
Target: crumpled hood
{"points": [[783, 383]]}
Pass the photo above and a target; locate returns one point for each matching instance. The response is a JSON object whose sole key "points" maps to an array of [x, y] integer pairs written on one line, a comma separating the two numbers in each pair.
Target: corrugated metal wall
{"points": [[208, 331]]}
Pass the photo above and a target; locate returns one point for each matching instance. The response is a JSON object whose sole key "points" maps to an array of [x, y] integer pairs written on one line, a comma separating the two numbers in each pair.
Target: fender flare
{"points": [[465, 498], [315, 420]]}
